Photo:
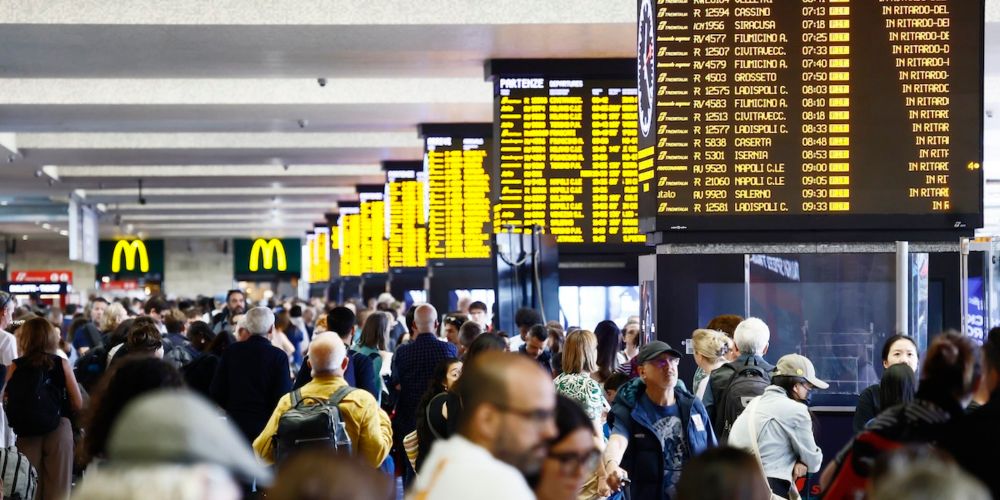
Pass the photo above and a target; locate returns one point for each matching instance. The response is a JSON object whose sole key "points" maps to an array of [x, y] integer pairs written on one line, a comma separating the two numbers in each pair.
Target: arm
{"points": [[371, 426], [219, 390], [263, 446], [72, 388], [10, 372], [395, 375], [612, 459], [803, 441]]}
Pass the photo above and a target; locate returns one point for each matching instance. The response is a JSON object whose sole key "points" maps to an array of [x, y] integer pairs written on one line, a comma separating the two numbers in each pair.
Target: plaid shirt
{"points": [[412, 368]]}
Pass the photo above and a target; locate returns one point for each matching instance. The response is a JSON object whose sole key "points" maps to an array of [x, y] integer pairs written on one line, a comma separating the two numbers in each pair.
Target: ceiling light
{"points": [[46, 225], [25, 237], [4, 203], [64, 233]]}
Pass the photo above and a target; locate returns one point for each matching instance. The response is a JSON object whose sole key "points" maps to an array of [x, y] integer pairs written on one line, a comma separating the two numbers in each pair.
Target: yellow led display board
{"points": [[406, 187]]}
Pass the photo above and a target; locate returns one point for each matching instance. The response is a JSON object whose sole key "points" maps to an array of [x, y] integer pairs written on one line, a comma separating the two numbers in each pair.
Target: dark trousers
{"points": [[779, 487]]}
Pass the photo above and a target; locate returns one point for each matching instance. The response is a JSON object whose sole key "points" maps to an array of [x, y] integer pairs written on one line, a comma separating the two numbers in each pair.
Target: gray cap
{"points": [[653, 349], [797, 365], [179, 426]]}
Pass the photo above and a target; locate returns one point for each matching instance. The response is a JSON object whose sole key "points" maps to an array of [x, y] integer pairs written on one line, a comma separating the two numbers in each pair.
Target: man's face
{"points": [[478, 315], [451, 332], [534, 347], [527, 424], [237, 303], [97, 311], [660, 372]]}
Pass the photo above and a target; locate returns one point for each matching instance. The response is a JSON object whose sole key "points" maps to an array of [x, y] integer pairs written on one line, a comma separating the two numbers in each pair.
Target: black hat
{"points": [[653, 349]]}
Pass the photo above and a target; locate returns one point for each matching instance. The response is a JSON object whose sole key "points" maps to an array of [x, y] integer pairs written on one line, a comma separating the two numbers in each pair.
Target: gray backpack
{"points": [[312, 422]]}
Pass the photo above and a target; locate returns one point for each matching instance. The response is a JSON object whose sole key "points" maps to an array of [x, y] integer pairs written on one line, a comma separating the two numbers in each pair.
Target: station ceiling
{"points": [[218, 108]]}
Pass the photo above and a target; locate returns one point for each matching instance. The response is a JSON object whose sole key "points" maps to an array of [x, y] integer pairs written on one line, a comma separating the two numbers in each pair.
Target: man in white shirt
{"points": [[8, 344], [504, 428]]}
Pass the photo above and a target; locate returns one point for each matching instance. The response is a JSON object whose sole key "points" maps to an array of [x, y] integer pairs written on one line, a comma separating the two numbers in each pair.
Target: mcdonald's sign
{"points": [[271, 251], [131, 257], [266, 257], [134, 253]]}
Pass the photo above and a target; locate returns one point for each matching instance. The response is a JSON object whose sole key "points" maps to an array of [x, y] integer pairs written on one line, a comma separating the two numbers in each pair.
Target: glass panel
{"points": [[585, 306], [835, 309]]}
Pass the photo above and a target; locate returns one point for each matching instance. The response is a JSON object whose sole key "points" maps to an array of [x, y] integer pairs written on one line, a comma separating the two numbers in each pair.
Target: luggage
{"points": [[312, 422]]}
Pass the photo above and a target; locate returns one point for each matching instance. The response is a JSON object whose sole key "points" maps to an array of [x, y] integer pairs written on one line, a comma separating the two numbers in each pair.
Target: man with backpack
{"points": [[322, 409], [360, 371], [734, 384]]}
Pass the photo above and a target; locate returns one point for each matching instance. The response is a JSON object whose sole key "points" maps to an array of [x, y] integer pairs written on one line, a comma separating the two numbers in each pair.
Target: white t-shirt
{"points": [[514, 343], [458, 468], [8, 353]]}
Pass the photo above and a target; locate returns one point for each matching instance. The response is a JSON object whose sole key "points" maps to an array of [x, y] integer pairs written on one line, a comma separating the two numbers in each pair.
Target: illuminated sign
{"points": [[792, 116], [273, 253], [374, 247], [132, 251], [458, 159], [566, 135], [349, 223], [405, 191], [37, 288], [266, 257], [131, 257], [319, 254]]}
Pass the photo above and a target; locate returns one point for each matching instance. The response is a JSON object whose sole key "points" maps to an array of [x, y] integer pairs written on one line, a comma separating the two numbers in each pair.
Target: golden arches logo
{"points": [[271, 250], [130, 249]]}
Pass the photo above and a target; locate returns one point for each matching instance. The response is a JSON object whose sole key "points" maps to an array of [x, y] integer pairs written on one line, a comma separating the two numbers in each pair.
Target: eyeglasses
{"points": [[538, 416], [662, 363], [570, 462]]}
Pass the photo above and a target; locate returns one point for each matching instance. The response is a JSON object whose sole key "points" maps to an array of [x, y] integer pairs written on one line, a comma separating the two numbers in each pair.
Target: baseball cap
{"points": [[797, 365], [179, 426], [653, 349]]}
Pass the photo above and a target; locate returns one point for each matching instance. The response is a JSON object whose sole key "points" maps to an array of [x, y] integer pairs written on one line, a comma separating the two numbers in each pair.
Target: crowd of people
{"points": [[307, 400]]}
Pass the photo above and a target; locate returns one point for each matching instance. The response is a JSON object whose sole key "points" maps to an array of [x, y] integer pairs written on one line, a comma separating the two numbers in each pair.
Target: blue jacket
{"points": [[643, 458]]}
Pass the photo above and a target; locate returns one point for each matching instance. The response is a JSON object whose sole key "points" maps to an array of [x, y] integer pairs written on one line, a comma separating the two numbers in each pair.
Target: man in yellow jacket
{"points": [[367, 425]]}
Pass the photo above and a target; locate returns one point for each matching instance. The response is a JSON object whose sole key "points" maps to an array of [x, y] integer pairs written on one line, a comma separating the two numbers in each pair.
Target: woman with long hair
{"points": [[41, 394], [373, 342], [608, 344], [432, 415]]}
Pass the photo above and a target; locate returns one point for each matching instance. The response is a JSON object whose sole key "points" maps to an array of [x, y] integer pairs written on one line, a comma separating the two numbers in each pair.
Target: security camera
{"points": [[303, 123], [286, 167], [38, 173], [142, 201], [322, 82]]}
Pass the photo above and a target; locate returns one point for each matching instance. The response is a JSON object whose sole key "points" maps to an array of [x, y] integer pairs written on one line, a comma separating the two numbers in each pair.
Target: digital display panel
{"points": [[458, 160], [405, 192], [567, 139], [349, 224], [374, 247], [319, 254], [835, 114]]}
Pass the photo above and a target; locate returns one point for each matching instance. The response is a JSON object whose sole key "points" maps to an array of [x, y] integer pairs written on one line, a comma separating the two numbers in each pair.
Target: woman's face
{"points": [[902, 351], [569, 463], [454, 372]]}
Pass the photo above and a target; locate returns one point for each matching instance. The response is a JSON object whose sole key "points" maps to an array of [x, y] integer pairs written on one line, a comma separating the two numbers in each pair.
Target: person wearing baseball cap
{"points": [[656, 426], [777, 426]]}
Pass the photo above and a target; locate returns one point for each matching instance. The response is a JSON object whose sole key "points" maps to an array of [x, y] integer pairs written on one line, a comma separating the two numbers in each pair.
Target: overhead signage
{"points": [[132, 258], [41, 276], [267, 257]]}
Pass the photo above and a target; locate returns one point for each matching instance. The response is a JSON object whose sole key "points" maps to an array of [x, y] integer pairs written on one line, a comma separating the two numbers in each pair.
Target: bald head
{"points": [[425, 318], [508, 405], [327, 354]]}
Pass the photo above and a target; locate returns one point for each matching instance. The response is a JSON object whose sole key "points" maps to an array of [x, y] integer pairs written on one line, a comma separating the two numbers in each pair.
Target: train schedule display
{"points": [[810, 114]]}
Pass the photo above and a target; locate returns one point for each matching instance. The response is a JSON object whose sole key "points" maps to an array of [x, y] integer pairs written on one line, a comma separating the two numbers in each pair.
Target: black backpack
{"points": [[315, 424], [90, 367], [748, 382], [34, 401]]}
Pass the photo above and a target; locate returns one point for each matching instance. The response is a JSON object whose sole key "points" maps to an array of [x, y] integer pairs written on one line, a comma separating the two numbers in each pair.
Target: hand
{"points": [[603, 489], [616, 476], [799, 470]]}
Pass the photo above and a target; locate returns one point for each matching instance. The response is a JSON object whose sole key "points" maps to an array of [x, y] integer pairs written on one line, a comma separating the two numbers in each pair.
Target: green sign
{"points": [[131, 258], [267, 257]]}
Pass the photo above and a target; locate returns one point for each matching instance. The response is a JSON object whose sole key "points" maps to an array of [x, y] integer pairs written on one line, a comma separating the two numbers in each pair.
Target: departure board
{"points": [[405, 190], [567, 136], [350, 239], [458, 162], [319, 254], [810, 114], [374, 247]]}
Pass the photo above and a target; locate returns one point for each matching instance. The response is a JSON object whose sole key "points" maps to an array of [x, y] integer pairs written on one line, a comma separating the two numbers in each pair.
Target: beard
{"points": [[527, 460]]}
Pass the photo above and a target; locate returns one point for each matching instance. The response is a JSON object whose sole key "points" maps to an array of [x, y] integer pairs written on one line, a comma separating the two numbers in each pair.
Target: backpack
{"points": [[854, 472], [177, 354], [20, 480], [307, 425], [34, 402], [748, 382], [90, 367]]}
